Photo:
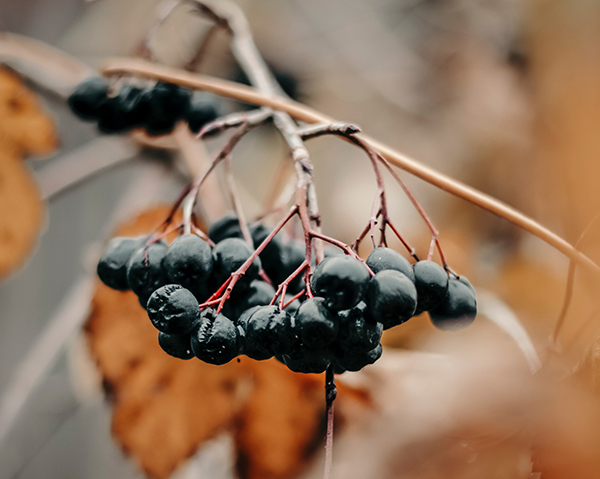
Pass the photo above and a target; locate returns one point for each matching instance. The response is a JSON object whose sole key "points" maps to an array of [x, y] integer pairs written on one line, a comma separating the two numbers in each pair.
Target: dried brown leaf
{"points": [[21, 214], [24, 129]]}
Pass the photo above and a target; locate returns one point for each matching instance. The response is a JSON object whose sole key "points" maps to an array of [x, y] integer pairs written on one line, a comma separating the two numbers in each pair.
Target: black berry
{"points": [[173, 309], [112, 267], [226, 227], [358, 332], [308, 360], [245, 348], [175, 345], [201, 112], [168, 104], [258, 294], [145, 273], [189, 262], [459, 308], [382, 259], [123, 112], [270, 256], [391, 298], [317, 325], [356, 361], [341, 280], [431, 282], [215, 338], [88, 98], [269, 330], [292, 256], [229, 255]]}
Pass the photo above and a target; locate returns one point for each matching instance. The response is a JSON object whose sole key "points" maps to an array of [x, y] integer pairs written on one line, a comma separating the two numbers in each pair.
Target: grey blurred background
{"points": [[443, 81]]}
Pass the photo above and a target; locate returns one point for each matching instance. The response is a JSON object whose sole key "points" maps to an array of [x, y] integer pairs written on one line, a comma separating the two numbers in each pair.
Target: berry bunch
{"points": [[157, 109], [337, 319]]}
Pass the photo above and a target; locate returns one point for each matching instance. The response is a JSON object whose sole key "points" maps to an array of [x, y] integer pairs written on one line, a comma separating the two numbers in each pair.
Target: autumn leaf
{"points": [[164, 408], [24, 129]]}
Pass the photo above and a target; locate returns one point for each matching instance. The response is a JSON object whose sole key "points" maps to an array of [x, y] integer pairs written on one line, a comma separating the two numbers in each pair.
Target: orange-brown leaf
{"points": [[21, 214], [24, 129]]}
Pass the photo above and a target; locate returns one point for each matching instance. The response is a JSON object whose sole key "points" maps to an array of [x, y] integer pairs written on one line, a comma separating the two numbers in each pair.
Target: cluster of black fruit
{"points": [[156, 108], [341, 325]]}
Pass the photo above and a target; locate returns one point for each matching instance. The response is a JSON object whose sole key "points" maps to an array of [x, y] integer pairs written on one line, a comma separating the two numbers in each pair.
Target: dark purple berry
{"points": [[382, 259], [391, 298], [175, 345], [173, 309], [358, 332], [292, 256], [227, 226], [123, 112], [189, 262], [168, 104], [317, 325], [308, 360], [245, 348], [258, 294], [270, 331], [201, 112], [345, 361], [270, 256], [431, 282], [88, 98], [145, 273], [458, 310], [112, 267], [215, 338], [229, 255], [341, 280]]}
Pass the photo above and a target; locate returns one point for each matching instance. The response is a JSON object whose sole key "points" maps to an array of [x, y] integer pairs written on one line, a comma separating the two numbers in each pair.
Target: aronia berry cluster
{"points": [[155, 108], [352, 302]]}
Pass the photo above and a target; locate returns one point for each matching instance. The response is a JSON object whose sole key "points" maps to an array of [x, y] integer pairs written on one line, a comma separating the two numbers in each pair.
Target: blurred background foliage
{"points": [[500, 94]]}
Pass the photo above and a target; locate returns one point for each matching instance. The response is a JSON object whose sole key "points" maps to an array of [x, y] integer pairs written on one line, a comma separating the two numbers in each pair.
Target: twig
{"points": [[219, 125], [303, 113], [84, 163], [235, 200], [502, 316], [165, 9], [570, 283], [196, 61]]}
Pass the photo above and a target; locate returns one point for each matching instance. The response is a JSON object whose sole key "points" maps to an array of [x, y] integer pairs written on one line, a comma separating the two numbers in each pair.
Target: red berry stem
{"points": [[410, 249], [282, 288], [297, 296], [236, 275]]}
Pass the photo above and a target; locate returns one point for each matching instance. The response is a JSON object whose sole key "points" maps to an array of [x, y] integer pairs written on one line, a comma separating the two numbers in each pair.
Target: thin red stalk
{"points": [[419, 208], [157, 237], [297, 296], [411, 250], [344, 247], [282, 288], [235, 276], [362, 236], [265, 277]]}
